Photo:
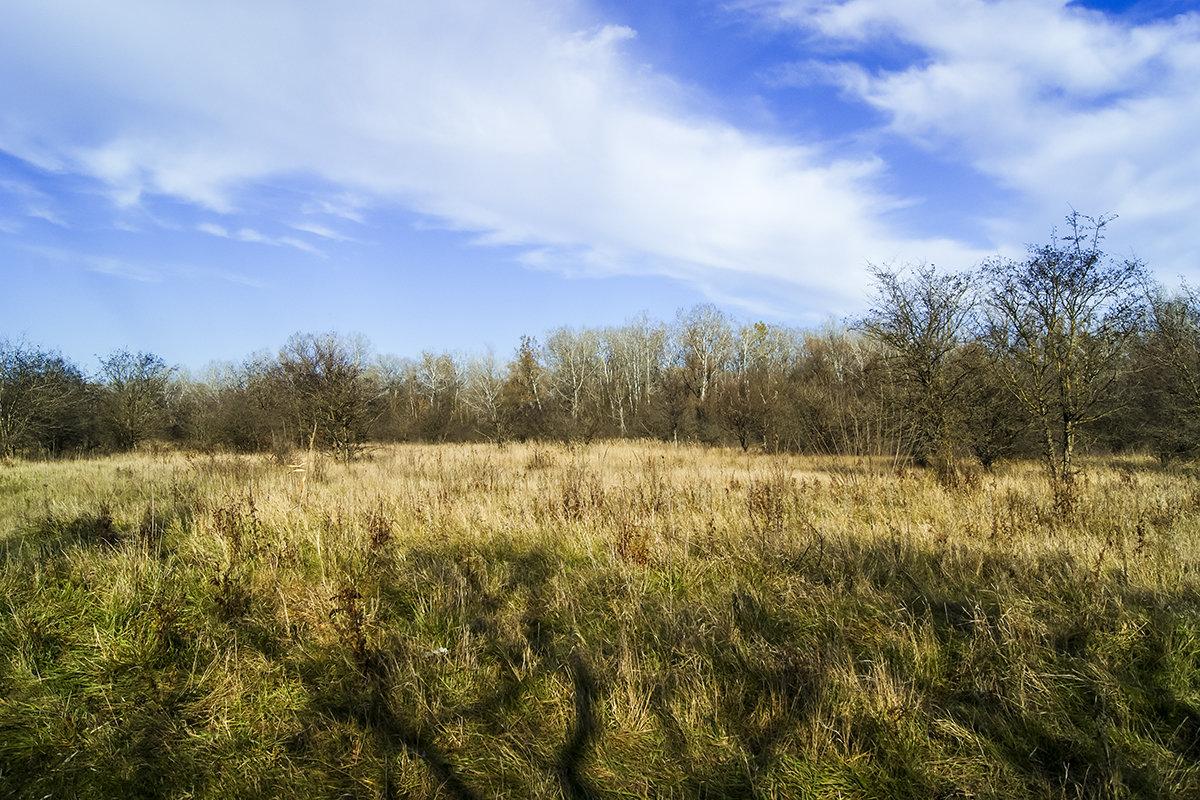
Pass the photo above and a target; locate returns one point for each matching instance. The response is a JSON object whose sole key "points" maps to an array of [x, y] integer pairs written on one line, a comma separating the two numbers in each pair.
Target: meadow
{"points": [[624, 619]]}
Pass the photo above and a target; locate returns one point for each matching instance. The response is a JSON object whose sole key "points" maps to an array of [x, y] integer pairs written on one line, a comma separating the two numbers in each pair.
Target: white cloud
{"points": [[323, 231], [1062, 104], [104, 265], [346, 205], [213, 229], [119, 268], [30, 202], [137, 271], [253, 236], [228, 277], [522, 122]]}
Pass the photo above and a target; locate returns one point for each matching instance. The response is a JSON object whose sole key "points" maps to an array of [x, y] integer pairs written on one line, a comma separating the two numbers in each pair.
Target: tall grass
{"points": [[613, 620]]}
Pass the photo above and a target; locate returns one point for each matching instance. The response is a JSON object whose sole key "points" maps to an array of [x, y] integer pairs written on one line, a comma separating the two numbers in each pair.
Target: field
{"points": [[601, 621]]}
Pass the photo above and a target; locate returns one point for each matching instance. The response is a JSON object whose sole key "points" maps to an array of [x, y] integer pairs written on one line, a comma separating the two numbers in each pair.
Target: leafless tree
{"points": [[326, 375], [1174, 328], [753, 402], [631, 367], [439, 378], [848, 394], [137, 393], [573, 363], [483, 393], [524, 392], [1168, 374], [396, 401], [705, 340], [439, 382], [1060, 321], [923, 318], [38, 389]]}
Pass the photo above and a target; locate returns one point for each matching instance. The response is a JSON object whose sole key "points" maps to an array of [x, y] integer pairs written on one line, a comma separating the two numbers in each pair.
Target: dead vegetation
{"points": [[611, 620]]}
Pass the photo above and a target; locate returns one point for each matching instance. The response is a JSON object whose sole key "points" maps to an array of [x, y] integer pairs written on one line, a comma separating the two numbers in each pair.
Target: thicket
{"points": [[1065, 350]]}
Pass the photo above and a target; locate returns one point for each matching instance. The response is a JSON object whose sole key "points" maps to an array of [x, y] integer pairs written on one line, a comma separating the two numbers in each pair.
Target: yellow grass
{"points": [[1128, 515], [627, 616]]}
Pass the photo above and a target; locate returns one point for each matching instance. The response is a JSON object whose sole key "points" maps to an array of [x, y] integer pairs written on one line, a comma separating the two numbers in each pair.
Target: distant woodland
{"points": [[1063, 351]]}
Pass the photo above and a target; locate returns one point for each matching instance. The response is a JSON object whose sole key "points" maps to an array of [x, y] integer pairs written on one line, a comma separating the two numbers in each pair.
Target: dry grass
{"points": [[612, 620]]}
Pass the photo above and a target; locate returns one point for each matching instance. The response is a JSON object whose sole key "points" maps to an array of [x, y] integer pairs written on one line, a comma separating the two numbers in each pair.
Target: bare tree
{"points": [[847, 395], [439, 378], [1175, 331], [753, 398], [439, 381], [1169, 372], [923, 317], [395, 399], [524, 390], [706, 345], [483, 392], [631, 367], [137, 394], [230, 408], [326, 375], [38, 392], [573, 362], [1059, 322]]}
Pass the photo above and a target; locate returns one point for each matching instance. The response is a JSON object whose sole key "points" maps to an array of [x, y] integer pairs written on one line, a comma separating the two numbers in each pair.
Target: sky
{"points": [[203, 179]]}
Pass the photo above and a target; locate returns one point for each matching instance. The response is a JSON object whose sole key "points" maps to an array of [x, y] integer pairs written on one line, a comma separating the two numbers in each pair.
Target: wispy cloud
{"points": [[1062, 104], [120, 268], [103, 265], [344, 205], [322, 231], [225, 276], [30, 202], [139, 271], [531, 127], [255, 237], [524, 123]]}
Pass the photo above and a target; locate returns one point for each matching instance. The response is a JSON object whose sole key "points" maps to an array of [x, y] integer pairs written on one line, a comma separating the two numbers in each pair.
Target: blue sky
{"points": [[203, 179]]}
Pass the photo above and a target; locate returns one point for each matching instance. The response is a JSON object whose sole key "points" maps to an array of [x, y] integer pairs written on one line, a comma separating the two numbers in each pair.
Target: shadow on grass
{"points": [[1081, 736], [584, 732], [363, 686], [1118, 723], [54, 533]]}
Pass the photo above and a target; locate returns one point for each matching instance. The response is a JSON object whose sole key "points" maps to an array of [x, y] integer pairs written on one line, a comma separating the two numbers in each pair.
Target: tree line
{"points": [[1063, 349]]}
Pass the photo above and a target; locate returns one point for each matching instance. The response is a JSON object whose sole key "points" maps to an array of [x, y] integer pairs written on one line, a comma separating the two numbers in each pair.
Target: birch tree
{"points": [[632, 362], [706, 345], [483, 392], [573, 363]]}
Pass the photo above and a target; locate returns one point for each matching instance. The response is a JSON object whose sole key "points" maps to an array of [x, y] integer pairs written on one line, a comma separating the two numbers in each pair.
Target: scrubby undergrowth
{"points": [[611, 621]]}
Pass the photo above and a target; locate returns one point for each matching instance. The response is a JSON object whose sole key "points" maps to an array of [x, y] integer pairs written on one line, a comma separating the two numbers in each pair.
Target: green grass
{"points": [[611, 621]]}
